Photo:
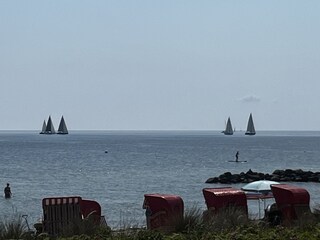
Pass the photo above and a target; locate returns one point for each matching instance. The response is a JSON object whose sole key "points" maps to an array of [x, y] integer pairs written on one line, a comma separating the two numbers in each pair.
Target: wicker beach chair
{"points": [[60, 213]]}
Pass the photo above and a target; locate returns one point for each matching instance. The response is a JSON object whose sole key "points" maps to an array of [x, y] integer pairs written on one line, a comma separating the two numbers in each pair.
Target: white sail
{"points": [[49, 127], [62, 127], [250, 127], [229, 129]]}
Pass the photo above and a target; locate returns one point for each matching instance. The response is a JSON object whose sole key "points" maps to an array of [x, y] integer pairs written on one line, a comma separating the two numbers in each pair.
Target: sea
{"points": [[116, 168]]}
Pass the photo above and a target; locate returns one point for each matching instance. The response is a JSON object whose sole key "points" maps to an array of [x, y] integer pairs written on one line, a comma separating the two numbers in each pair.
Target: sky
{"points": [[160, 65]]}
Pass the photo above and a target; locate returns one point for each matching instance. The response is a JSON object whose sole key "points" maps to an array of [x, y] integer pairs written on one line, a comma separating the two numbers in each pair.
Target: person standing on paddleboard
{"points": [[237, 156]]}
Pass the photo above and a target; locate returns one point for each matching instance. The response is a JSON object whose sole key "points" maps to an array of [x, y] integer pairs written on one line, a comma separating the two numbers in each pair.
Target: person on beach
{"points": [[237, 156], [7, 191]]}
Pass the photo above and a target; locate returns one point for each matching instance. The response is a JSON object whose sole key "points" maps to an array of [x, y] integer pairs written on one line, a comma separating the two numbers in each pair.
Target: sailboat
{"points": [[62, 127], [228, 130], [250, 127], [49, 127], [44, 126]]}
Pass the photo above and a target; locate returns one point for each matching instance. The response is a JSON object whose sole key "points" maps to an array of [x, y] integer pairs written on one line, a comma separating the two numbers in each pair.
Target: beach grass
{"points": [[231, 224], [14, 228]]}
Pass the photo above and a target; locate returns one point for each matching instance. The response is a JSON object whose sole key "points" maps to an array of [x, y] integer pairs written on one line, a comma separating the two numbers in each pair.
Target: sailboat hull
{"points": [[227, 133], [250, 133]]}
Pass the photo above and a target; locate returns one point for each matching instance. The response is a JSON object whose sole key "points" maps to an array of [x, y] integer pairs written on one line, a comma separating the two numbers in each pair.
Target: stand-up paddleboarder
{"points": [[7, 191], [237, 156]]}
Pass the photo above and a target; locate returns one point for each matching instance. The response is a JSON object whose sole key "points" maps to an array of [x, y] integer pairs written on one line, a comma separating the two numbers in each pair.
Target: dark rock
{"points": [[249, 171], [298, 171], [288, 171], [212, 180], [254, 177], [278, 172], [287, 175], [284, 179], [225, 175], [224, 180], [267, 176], [275, 178]]}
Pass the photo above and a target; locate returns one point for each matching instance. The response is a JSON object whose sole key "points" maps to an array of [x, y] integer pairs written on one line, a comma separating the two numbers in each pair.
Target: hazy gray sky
{"points": [[153, 65]]}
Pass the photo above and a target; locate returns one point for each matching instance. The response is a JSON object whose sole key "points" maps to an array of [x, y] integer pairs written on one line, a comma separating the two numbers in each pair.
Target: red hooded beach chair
{"points": [[292, 202], [224, 199], [162, 210]]}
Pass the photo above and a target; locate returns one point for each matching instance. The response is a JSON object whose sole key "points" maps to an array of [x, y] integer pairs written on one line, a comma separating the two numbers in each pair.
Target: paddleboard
{"points": [[237, 161]]}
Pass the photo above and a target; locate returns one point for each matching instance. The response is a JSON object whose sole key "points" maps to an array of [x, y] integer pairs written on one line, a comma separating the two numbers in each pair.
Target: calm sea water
{"points": [[39, 166]]}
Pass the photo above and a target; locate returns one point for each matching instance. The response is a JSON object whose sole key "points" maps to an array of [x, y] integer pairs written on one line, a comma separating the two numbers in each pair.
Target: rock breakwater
{"points": [[287, 175]]}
